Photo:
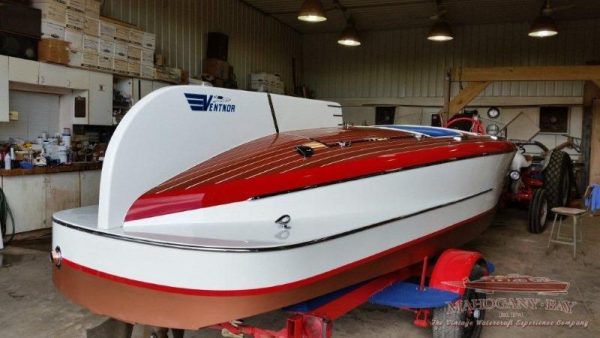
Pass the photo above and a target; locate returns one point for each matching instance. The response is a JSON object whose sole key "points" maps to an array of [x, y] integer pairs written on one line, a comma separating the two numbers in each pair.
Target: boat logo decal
{"points": [[204, 102], [513, 283]]}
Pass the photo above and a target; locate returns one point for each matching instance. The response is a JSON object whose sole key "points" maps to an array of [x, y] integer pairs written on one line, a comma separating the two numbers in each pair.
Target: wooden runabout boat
{"points": [[259, 222]]}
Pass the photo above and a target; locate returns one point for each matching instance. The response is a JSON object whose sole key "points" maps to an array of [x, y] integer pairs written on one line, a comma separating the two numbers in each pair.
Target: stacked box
{"points": [[76, 5], [89, 60], [105, 62], [134, 69], [267, 82], [149, 40], [53, 30], [91, 27], [75, 38], [120, 51], [92, 8], [134, 53], [120, 66], [51, 10], [147, 71], [74, 20], [106, 47], [107, 30], [136, 37], [122, 33], [75, 58]]}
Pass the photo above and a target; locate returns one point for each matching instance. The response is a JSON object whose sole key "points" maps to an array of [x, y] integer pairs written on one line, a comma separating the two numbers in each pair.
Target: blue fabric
{"points": [[408, 295], [593, 200], [429, 131]]}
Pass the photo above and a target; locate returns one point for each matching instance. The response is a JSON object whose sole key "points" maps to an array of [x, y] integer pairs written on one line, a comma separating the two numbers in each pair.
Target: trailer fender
{"points": [[452, 268]]}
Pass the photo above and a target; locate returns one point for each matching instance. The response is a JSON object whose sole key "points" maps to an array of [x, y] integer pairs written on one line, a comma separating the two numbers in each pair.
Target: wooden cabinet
{"points": [[4, 113], [100, 95], [78, 78], [89, 182], [24, 71]]}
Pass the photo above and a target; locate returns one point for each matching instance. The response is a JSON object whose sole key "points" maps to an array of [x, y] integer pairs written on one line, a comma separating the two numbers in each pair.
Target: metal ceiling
{"points": [[392, 14]]}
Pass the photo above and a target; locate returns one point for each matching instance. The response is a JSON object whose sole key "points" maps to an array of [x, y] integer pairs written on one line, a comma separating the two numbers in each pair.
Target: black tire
{"points": [[443, 318], [538, 212], [557, 179]]}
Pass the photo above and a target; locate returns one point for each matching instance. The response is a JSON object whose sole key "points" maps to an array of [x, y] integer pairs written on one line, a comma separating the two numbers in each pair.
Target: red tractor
{"points": [[541, 178]]}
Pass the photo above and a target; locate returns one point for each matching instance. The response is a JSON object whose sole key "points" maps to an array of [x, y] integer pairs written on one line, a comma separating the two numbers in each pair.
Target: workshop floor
{"points": [[30, 306]]}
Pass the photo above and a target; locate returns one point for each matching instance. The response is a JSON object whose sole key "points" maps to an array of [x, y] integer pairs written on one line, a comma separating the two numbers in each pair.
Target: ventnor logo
{"points": [[203, 102]]}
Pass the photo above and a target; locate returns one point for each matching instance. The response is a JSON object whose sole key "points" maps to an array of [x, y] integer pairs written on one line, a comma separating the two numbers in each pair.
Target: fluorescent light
{"points": [[312, 11], [440, 31], [543, 27]]}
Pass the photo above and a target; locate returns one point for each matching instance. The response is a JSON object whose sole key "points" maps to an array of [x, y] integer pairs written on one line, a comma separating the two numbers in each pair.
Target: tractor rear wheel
{"points": [[557, 179]]}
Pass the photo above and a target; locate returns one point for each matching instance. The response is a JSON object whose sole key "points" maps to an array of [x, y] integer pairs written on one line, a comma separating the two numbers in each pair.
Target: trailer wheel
{"points": [[461, 322], [557, 179], [538, 211]]}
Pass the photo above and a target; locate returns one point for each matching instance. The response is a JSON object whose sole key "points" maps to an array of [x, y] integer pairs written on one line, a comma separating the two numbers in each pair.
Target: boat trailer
{"points": [[314, 318]]}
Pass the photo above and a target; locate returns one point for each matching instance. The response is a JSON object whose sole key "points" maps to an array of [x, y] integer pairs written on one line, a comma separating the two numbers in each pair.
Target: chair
{"points": [[574, 213]]}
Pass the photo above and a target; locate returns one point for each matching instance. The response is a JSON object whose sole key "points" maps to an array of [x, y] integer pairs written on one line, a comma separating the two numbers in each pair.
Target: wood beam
{"points": [[597, 83], [466, 96], [533, 73]]}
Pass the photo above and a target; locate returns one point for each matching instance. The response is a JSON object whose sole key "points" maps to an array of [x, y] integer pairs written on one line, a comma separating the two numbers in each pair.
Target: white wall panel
{"points": [[257, 42], [402, 63]]}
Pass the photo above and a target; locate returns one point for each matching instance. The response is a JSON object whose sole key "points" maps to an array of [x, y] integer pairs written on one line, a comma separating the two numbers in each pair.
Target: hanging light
{"points": [[349, 36], [312, 11], [440, 31], [543, 27]]}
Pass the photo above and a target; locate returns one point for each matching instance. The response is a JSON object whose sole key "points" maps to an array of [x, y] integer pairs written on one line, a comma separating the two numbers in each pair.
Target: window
{"points": [[554, 119]]}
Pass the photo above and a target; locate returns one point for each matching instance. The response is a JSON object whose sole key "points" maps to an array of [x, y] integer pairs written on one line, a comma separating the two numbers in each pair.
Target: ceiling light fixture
{"points": [[543, 27], [440, 31], [349, 36], [312, 11]]}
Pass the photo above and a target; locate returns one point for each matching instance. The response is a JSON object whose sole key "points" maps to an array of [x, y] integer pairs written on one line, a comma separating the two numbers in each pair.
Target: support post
{"points": [[466, 96]]}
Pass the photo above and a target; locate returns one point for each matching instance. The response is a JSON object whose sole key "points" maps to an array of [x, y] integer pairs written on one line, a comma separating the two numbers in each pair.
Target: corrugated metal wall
{"points": [[257, 42], [402, 63]]}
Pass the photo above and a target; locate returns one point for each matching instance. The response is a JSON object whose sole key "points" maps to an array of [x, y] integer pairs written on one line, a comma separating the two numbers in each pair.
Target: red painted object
{"points": [[453, 265]]}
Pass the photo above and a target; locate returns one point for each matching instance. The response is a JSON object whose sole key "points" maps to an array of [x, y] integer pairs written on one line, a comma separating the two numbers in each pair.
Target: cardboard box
{"points": [[136, 36], [120, 66], [134, 52], [75, 38], [134, 68], [51, 10], [91, 26], [147, 56], [107, 30], [54, 51], [76, 5], [167, 74], [75, 20], [149, 40], [89, 60], [92, 8], [53, 30], [106, 47], [217, 68], [120, 51], [122, 33], [105, 62], [90, 44], [147, 71]]}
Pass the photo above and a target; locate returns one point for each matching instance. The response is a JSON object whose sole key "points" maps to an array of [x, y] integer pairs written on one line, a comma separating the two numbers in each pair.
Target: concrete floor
{"points": [[30, 306]]}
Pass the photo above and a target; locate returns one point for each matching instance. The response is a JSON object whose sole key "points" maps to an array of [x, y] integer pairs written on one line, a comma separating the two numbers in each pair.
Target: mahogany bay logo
{"points": [[204, 102], [513, 283]]}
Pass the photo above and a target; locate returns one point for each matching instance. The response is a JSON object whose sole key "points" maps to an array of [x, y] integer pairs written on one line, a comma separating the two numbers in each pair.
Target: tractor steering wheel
{"points": [[476, 126]]}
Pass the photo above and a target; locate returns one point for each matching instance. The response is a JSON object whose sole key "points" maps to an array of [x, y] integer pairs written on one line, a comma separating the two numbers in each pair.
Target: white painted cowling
{"points": [[162, 136]]}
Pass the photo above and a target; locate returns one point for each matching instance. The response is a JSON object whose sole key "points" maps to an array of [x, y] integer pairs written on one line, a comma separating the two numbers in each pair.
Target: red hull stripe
{"points": [[243, 189], [272, 289]]}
